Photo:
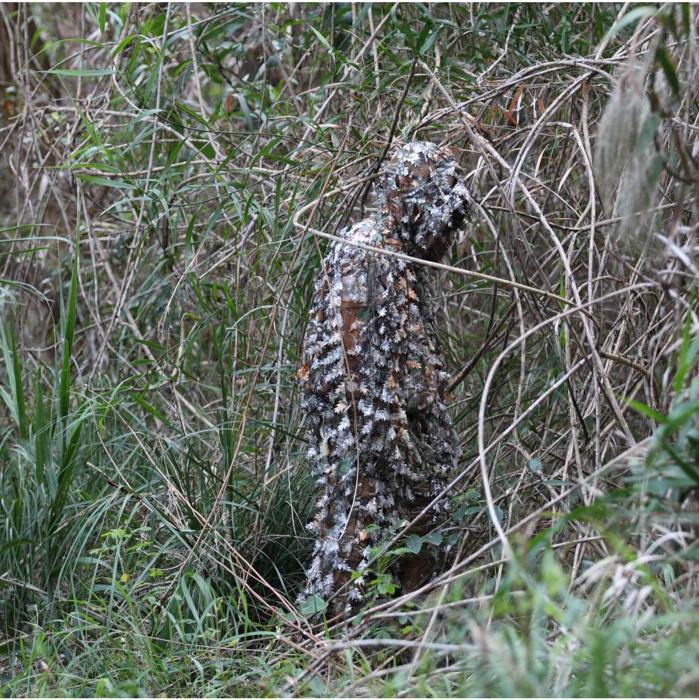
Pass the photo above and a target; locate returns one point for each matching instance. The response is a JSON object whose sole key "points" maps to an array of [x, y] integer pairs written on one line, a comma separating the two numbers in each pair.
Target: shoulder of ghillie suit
{"points": [[374, 381]]}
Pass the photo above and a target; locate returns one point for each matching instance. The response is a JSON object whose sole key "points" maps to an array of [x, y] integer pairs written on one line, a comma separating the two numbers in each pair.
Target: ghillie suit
{"points": [[382, 443]]}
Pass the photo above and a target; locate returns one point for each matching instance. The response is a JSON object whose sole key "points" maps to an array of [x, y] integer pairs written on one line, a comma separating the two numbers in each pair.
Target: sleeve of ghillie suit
{"points": [[332, 398], [382, 443]]}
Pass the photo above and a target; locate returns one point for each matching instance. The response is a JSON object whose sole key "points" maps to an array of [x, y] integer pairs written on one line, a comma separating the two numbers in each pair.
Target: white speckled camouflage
{"points": [[382, 442]]}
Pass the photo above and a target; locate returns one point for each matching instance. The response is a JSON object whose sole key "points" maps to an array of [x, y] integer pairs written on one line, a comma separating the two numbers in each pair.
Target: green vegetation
{"points": [[165, 173]]}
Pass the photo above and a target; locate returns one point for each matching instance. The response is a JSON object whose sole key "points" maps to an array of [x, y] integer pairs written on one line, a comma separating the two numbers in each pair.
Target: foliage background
{"points": [[167, 173]]}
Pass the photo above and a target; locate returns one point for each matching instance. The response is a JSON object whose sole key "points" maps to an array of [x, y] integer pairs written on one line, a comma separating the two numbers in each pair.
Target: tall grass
{"points": [[174, 172]]}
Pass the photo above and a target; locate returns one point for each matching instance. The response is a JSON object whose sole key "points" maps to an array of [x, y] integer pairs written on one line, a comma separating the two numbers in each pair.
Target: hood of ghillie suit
{"points": [[421, 191]]}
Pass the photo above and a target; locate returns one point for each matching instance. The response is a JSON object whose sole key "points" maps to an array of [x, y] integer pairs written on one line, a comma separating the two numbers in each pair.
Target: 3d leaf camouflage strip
{"points": [[382, 442]]}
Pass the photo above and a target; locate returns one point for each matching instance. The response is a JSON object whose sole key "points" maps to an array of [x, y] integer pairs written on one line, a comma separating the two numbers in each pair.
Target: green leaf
{"points": [[322, 39], [434, 538], [470, 510], [15, 400], [668, 65], [647, 132], [313, 605], [413, 543], [686, 18], [105, 182], [68, 328], [66, 470], [686, 355], [646, 410], [145, 405], [80, 72], [630, 17], [386, 587], [102, 19], [653, 171], [429, 42], [534, 465], [122, 44], [41, 427], [680, 414], [688, 469], [11, 544]]}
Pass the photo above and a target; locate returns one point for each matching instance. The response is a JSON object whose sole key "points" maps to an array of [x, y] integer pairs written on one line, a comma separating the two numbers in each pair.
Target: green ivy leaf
{"points": [[434, 538], [413, 543], [313, 605]]}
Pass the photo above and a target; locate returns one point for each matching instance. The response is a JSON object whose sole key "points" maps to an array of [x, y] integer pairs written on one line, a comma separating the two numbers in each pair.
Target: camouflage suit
{"points": [[382, 442]]}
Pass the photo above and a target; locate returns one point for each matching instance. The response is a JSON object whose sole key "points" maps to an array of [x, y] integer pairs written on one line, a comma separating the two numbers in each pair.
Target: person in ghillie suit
{"points": [[383, 445]]}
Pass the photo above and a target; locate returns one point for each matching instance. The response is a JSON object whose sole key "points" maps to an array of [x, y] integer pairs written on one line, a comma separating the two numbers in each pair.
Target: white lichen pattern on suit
{"points": [[382, 442]]}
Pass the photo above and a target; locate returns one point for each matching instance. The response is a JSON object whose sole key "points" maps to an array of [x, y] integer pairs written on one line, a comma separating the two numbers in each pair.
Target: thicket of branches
{"points": [[169, 175]]}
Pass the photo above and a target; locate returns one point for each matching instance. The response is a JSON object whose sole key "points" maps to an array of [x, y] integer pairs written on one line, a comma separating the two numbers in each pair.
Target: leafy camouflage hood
{"points": [[422, 194]]}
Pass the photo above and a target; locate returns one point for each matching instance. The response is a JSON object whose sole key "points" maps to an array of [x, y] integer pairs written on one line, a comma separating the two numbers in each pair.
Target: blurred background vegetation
{"points": [[164, 169]]}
